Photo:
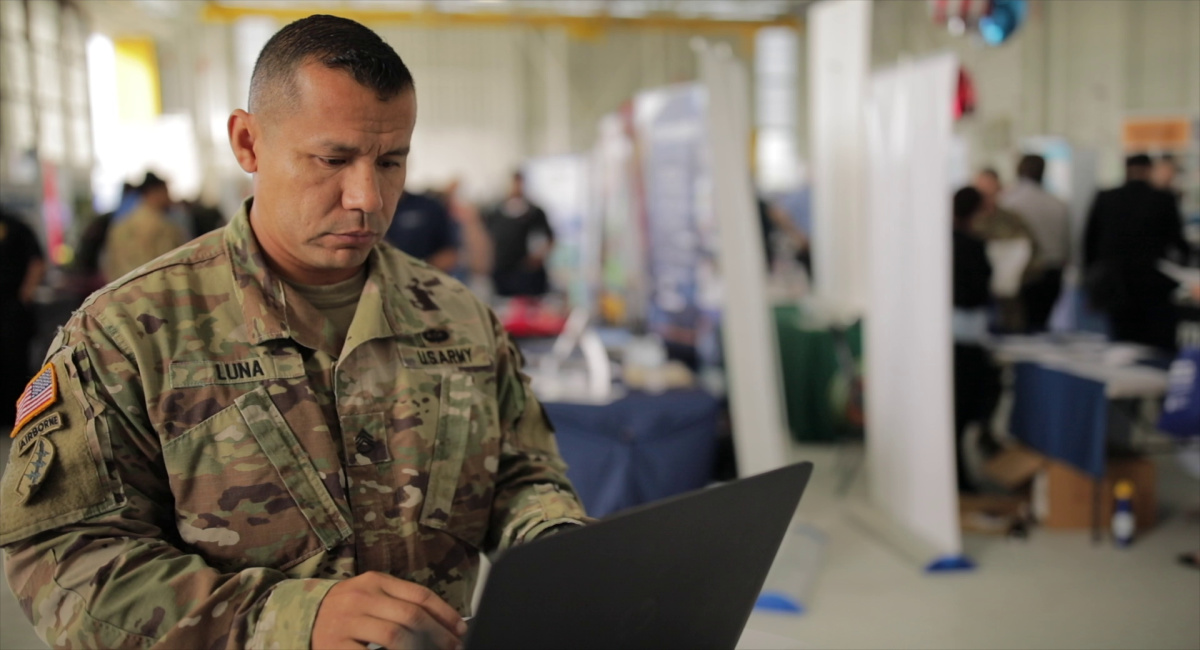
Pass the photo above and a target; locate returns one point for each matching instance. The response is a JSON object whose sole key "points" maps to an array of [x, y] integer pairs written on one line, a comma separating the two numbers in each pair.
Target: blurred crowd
{"points": [[499, 250], [1012, 247]]}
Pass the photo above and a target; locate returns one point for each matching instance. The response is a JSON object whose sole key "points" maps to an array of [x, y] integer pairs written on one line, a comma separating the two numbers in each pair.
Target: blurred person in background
{"points": [[202, 218], [1049, 220], [976, 377], [522, 240], [1129, 229], [422, 227], [476, 251], [143, 234], [1165, 174], [999, 224], [781, 235], [91, 243], [22, 267]]}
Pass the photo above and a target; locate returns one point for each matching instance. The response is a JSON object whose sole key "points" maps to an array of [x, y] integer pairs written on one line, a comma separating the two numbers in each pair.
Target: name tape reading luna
{"points": [[235, 371]]}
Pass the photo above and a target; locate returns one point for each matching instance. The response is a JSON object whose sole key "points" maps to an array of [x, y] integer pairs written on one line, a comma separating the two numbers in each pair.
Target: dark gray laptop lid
{"points": [[684, 572]]}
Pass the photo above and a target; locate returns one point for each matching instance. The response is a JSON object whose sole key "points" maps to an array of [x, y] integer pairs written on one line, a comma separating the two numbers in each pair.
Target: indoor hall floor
{"points": [[1054, 590]]}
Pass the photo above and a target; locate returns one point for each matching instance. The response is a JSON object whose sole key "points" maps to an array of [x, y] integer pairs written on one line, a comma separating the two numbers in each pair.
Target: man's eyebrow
{"points": [[334, 147]]}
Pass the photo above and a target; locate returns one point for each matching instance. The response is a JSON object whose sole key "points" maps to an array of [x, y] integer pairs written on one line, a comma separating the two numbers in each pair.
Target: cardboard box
{"points": [[992, 514], [1064, 496], [1014, 467]]}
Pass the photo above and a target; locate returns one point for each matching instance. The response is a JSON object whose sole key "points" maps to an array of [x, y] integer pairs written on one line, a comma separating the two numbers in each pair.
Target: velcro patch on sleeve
{"points": [[40, 394], [58, 479], [29, 436]]}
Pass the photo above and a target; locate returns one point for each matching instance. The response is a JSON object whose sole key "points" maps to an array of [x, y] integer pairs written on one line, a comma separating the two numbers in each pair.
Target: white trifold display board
{"points": [[909, 347], [839, 58], [748, 335]]}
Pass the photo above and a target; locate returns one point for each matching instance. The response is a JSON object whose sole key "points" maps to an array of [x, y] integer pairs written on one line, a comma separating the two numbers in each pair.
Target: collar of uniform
{"points": [[376, 306], [261, 293]]}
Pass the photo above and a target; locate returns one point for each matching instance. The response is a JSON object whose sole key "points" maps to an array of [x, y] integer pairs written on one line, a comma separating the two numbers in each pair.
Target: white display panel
{"points": [[910, 406]]}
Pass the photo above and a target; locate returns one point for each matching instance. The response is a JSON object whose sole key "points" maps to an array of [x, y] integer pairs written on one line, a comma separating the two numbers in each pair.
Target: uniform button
{"points": [[364, 443]]}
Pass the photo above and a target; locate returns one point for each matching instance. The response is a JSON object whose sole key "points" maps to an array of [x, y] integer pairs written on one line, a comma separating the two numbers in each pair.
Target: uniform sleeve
{"points": [[533, 494], [91, 551]]}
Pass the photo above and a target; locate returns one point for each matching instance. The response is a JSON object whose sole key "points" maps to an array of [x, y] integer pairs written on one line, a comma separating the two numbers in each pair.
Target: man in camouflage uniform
{"points": [[222, 452], [143, 234]]}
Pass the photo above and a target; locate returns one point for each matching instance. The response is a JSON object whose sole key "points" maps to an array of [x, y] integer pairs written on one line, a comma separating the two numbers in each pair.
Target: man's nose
{"points": [[361, 190]]}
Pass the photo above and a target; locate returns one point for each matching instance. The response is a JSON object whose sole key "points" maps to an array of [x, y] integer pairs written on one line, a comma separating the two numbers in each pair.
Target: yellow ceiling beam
{"points": [[215, 12]]}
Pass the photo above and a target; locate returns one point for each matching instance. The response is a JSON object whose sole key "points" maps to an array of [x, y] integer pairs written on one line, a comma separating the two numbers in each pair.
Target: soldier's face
{"points": [[328, 173]]}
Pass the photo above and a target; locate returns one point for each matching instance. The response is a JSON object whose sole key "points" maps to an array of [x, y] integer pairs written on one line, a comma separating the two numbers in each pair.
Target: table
{"points": [[1119, 367], [1064, 391], [639, 448]]}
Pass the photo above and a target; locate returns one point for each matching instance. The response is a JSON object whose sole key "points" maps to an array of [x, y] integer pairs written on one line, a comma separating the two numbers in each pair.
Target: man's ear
{"points": [[243, 133]]}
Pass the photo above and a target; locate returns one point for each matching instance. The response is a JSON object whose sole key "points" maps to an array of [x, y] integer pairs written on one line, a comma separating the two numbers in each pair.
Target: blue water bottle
{"points": [[1123, 523]]}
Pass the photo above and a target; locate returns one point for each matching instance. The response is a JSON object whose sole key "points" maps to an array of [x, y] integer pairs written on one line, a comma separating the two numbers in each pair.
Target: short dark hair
{"points": [[967, 202], [1138, 160], [336, 43], [1031, 167], [150, 182]]}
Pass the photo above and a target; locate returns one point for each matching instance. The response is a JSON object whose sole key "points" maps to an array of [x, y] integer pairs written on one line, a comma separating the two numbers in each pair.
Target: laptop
{"points": [[684, 572]]}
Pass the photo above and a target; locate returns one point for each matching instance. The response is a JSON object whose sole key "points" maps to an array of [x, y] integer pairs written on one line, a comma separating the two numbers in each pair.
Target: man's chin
{"points": [[344, 259]]}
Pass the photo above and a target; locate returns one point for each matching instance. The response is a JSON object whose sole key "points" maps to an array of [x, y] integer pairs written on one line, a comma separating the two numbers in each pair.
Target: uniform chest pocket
{"points": [[462, 470], [246, 493]]}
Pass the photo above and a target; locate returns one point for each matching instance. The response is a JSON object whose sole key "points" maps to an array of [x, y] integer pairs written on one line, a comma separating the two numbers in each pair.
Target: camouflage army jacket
{"points": [[211, 463]]}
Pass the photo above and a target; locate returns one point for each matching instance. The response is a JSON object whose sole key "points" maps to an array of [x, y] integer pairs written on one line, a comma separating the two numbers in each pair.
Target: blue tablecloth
{"points": [[637, 449], [1062, 415]]}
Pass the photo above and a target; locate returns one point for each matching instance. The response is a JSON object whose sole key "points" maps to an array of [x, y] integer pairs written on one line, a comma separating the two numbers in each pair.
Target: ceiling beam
{"points": [[218, 12]]}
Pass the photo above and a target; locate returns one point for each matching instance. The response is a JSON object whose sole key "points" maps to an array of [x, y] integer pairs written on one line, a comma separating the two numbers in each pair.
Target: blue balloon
{"points": [[1006, 16]]}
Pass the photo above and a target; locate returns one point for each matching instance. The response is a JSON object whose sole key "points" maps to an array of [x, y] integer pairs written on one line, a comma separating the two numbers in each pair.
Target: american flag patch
{"points": [[40, 393]]}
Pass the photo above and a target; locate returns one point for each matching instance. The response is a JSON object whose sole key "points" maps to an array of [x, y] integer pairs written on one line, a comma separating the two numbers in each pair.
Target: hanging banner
{"points": [[748, 334], [839, 58], [910, 405], [675, 175], [1141, 134]]}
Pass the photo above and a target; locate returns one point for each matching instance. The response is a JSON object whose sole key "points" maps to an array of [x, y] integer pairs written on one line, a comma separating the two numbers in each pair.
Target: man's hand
{"points": [[377, 608]]}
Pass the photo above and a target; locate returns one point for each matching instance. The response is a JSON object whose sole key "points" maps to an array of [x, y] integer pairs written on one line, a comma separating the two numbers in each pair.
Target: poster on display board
{"points": [[559, 185], [684, 290]]}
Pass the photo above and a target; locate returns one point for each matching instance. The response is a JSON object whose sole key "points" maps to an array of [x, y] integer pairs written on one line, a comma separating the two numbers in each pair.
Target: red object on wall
{"points": [[964, 97]]}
